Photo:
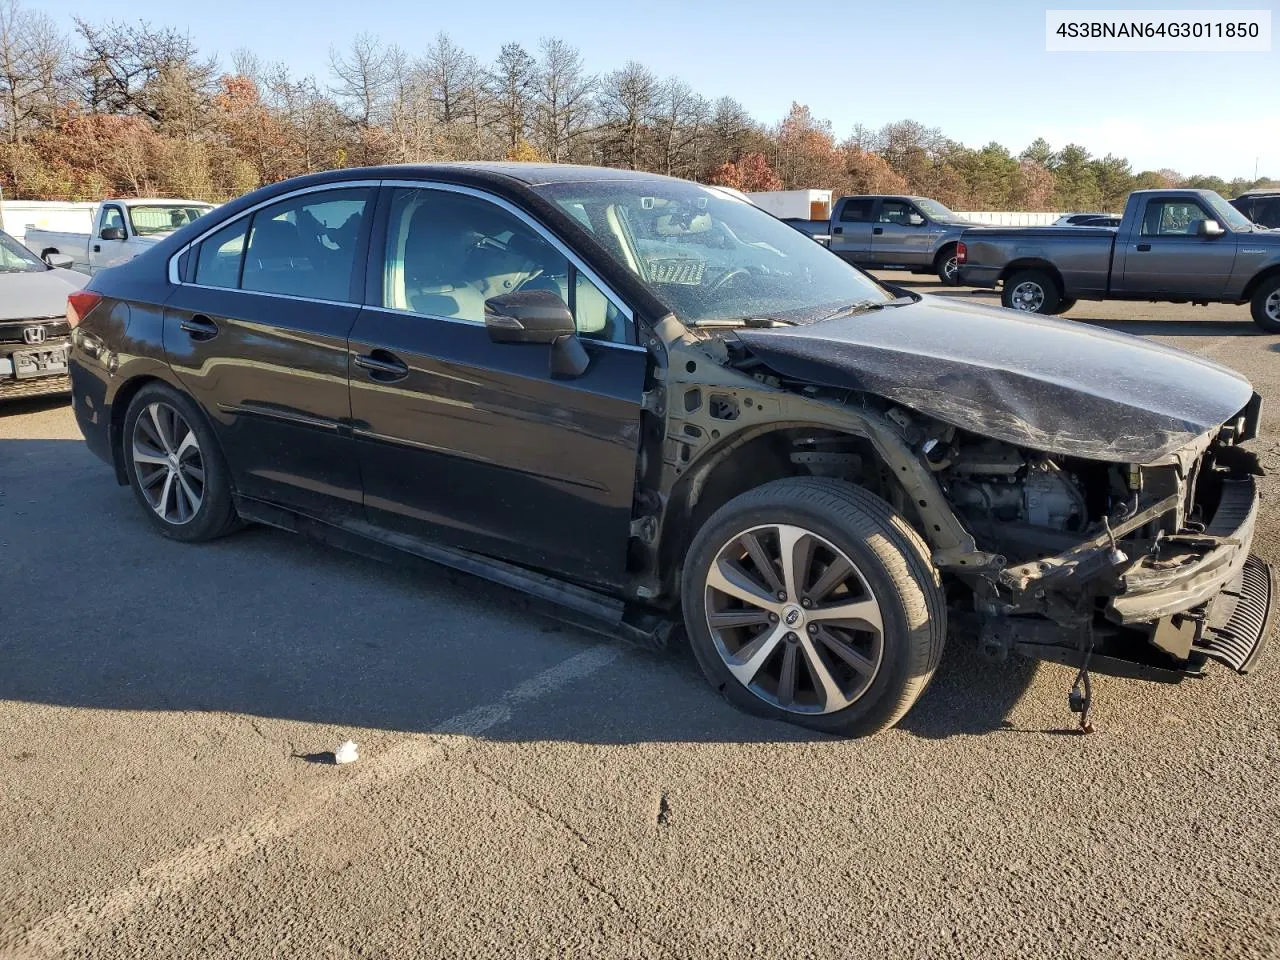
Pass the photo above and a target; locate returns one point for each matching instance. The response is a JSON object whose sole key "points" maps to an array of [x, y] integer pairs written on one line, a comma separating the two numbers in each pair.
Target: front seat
{"points": [[435, 245]]}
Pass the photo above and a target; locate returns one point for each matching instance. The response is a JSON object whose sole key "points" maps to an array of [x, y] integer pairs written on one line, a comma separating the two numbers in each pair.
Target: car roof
{"points": [[533, 174]]}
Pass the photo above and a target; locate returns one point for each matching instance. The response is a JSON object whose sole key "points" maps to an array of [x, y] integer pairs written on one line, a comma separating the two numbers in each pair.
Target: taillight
{"points": [[962, 253], [79, 304]]}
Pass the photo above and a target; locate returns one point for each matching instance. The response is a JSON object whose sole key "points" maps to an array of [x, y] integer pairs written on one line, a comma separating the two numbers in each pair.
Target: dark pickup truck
{"points": [[1181, 246]]}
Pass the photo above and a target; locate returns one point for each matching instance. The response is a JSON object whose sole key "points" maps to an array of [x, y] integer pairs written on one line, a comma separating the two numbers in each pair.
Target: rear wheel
{"points": [[1031, 291], [1063, 306], [1265, 305], [812, 601], [175, 468], [947, 267]]}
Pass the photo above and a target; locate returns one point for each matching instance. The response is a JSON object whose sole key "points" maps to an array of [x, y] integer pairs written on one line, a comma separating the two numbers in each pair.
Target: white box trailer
{"points": [[794, 204]]}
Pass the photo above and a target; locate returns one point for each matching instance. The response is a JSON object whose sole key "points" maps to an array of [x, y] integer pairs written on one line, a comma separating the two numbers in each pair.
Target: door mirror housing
{"points": [[528, 316], [59, 261], [1209, 228], [916, 220], [112, 233]]}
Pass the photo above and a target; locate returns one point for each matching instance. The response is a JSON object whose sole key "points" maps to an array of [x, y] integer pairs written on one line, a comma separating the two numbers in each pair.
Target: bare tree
{"points": [[564, 99], [681, 118], [626, 101], [133, 68], [365, 78], [512, 83], [33, 58]]}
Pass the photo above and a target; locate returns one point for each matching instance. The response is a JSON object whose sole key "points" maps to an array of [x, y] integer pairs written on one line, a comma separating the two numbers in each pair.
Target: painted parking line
{"points": [[61, 933]]}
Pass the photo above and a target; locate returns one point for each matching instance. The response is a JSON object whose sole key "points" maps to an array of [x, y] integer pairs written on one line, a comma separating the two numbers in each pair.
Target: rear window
{"points": [[856, 211]]}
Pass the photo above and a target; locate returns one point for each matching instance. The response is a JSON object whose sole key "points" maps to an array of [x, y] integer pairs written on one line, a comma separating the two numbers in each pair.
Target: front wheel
{"points": [[1031, 291], [1265, 305], [812, 601], [948, 267]]}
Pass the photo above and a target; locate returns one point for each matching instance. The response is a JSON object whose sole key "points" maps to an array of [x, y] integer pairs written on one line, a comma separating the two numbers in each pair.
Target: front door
{"points": [[901, 235], [472, 442], [1169, 257], [259, 338]]}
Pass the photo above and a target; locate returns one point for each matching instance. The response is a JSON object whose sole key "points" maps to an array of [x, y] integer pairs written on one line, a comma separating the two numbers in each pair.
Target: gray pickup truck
{"points": [[1180, 246], [913, 232]]}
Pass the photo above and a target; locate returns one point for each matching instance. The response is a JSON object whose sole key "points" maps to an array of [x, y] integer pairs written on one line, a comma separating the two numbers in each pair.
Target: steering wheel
{"points": [[729, 277]]}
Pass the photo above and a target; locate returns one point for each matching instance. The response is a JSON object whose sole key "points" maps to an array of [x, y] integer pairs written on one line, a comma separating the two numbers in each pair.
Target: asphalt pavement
{"points": [[168, 712]]}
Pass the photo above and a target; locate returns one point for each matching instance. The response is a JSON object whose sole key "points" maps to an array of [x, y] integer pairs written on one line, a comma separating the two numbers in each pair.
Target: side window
{"points": [[218, 264], [112, 218], [447, 253], [1172, 218], [1267, 212], [856, 211], [896, 211], [305, 246]]}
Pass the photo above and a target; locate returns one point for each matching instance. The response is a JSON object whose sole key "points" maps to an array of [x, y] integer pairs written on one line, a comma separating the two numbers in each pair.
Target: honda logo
{"points": [[33, 334]]}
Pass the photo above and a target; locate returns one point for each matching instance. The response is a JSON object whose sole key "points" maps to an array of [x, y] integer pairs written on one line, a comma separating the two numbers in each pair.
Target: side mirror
{"points": [[528, 316], [59, 261], [1209, 228], [538, 316], [915, 220], [112, 233]]}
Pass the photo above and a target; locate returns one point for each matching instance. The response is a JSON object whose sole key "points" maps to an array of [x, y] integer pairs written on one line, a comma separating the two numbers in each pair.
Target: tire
{"points": [[1031, 291], [897, 637], [1265, 305], [946, 268], [1063, 306], [202, 482]]}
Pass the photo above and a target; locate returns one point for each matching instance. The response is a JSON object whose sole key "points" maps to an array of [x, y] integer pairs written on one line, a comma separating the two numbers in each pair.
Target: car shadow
{"points": [[103, 613]]}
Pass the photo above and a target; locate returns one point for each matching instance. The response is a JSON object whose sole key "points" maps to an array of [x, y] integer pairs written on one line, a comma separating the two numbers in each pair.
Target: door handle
{"points": [[199, 327], [1144, 247], [97, 248], [382, 366], [838, 230], [877, 230]]}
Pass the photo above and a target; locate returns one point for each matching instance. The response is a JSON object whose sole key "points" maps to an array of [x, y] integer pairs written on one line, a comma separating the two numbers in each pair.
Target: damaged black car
{"points": [[657, 406]]}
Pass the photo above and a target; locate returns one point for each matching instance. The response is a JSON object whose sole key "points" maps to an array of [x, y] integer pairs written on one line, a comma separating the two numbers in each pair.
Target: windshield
{"points": [[150, 219], [710, 257], [936, 211], [15, 258], [1230, 215]]}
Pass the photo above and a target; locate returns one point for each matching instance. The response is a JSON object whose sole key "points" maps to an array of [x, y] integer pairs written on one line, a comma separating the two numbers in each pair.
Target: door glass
{"points": [[895, 211], [219, 262], [449, 252], [595, 314], [112, 219], [856, 211], [1172, 218], [305, 246]]}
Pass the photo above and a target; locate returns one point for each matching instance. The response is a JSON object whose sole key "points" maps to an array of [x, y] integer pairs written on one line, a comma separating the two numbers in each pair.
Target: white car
{"points": [[33, 320], [122, 229]]}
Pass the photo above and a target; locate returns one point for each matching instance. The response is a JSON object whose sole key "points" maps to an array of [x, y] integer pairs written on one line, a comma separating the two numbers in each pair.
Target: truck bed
{"points": [[1080, 255]]}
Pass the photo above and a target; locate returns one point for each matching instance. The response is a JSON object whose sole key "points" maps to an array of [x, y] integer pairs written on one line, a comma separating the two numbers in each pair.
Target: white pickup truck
{"points": [[122, 229]]}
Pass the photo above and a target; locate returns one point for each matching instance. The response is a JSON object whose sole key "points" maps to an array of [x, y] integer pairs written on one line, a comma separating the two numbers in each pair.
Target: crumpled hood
{"points": [[26, 296], [1039, 382]]}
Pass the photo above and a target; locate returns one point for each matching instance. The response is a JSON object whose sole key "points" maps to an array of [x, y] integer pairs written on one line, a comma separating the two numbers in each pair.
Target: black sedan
{"points": [[652, 403]]}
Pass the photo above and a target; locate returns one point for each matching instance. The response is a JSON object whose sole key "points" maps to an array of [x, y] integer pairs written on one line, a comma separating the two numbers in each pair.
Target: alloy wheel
{"points": [[949, 269], [793, 619], [1272, 306], [168, 463], [1028, 296]]}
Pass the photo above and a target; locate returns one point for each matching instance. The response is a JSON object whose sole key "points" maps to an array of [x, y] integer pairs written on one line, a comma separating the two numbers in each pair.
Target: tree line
{"points": [[115, 108]]}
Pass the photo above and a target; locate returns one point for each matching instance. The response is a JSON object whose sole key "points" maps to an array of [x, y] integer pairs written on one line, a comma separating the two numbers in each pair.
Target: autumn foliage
{"points": [[120, 108]]}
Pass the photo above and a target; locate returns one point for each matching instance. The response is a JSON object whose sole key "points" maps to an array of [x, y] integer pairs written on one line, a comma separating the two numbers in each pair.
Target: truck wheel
{"points": [[175, 467], [947, 268], [1062, 307], [1266, 305], [1032, 291], [810, 600]]}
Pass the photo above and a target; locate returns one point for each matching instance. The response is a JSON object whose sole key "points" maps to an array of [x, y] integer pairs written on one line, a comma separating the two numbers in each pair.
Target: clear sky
{"points": [[977, 70]]}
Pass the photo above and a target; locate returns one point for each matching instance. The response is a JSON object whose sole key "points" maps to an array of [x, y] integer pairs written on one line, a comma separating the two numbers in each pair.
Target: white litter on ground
{"points": [[346, 753]]}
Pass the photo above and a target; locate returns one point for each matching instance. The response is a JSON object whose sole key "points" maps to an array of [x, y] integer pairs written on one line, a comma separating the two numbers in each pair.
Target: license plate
{"points": [[39, 363]]}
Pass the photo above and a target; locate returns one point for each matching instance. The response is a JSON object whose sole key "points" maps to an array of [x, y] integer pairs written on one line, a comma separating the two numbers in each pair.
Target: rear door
{"points": [[259, 337], [851, 229], [901, 234], [472, 442], [1167, 257]]}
